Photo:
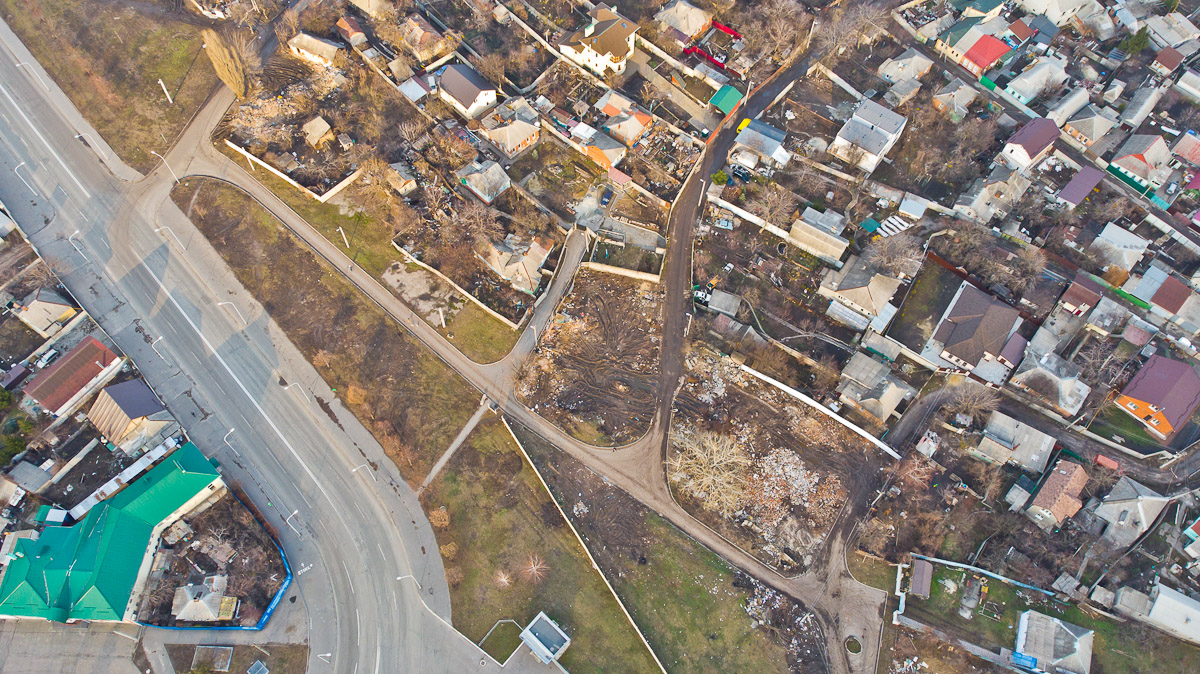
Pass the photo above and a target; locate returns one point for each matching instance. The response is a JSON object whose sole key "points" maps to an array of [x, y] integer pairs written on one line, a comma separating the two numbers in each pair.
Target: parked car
{"points": [[46, 359], [1173, 187], [606, 197]]}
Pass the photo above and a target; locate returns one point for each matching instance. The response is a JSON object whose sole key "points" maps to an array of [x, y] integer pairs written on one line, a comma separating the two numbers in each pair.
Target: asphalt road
{"points": [[370, 590]]}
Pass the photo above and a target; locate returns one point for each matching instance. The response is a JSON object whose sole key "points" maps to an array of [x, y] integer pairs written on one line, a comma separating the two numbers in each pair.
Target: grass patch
{"points": [[479, 335], [370, 240], [1112, 421], [16, 340], [501, 520], [927, 300], [279, 658], [503, 640], [410, 400], [108, 60], [871, 571], [693, 615]]}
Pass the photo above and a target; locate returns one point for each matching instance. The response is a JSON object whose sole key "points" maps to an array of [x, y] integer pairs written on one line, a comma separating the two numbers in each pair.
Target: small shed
{"points": [[317, 131], [545, 638], [922, 579], [726, 99]]}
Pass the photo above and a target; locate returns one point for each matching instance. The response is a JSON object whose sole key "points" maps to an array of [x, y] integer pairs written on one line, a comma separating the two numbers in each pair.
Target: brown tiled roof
{"points": [[1021, 30], [1083, 291], [1060, 493], [1169, 58], [57, 384], [609, 35], [1171, 294], [1169, 384], [977, 324]]}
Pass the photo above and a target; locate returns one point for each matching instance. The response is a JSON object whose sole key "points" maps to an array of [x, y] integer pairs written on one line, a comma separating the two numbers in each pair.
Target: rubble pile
{"points": [[273, 118]]}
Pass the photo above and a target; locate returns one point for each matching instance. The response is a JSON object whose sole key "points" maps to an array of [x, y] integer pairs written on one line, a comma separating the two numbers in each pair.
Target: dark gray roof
{"points": [[463, 83], [134, 398], [977, 324]]}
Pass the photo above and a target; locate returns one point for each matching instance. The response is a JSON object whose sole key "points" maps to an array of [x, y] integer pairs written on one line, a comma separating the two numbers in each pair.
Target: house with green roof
{"points": [[96, 568], [957, 39], [726, 99]]}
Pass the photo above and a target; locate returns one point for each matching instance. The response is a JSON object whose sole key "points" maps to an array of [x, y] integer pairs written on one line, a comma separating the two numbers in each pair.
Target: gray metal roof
{"points": [[463, 83]]}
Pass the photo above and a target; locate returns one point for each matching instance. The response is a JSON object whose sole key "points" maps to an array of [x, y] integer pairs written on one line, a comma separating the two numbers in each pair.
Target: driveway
{"points": [[36, 647]]}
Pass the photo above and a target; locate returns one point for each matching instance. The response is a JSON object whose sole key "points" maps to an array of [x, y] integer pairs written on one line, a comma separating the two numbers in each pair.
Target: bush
{"points": [[720, 177], [6, 398], [1136, 42], [12, 446]]}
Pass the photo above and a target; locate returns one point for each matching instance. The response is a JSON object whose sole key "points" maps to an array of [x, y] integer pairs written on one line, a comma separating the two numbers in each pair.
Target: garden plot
{"points": [[595, 373], [760, 467]]}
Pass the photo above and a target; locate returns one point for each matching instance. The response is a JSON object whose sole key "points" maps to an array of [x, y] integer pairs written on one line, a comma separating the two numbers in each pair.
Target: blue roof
{"points": [[767, 130], [870, 224]]}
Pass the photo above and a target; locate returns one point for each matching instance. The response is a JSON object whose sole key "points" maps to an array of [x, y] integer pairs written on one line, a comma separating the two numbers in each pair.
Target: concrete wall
{"points": [[280, 174]]}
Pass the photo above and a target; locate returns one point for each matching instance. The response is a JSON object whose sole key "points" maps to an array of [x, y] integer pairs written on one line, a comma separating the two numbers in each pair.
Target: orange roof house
{"points": [[1163, 395], [1058, 499]]}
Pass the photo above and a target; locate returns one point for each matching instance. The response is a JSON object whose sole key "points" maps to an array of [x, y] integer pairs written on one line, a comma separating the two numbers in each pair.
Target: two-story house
{"points": [[604, 44]]}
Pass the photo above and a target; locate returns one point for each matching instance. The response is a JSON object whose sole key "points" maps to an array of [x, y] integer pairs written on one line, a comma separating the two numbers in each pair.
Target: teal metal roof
{"points": [[87, 571], [870, 225], [726, 99]]}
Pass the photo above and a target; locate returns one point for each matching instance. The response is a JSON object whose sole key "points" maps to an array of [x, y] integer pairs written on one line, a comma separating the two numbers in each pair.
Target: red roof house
{"points": [[1187, 148], [1167, 61], [984, 54], [58, 388], [1171, 295], [1021, 30]]}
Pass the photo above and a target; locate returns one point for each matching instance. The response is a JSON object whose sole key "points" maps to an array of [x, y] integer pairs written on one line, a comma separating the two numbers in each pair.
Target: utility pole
{"points": [[164, 88]]}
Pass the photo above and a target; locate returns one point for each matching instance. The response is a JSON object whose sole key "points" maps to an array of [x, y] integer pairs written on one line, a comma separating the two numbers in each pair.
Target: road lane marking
{"points": [[347, 570], [45, 142], [296, 455], [357, 629]]}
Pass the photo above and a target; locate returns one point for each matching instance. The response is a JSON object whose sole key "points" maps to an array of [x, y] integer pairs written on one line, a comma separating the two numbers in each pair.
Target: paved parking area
{"points": [[35, 647]]}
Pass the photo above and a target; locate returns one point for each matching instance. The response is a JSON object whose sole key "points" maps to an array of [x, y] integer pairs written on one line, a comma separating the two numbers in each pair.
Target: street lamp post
{"points": [[288, 521], [164, 161], [369, 472], [414, 579], [173, 234], [75, 245]]}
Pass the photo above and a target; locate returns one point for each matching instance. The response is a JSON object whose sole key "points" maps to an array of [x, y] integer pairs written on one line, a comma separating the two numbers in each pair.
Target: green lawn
{"points": [[925, 303], [1112, 421], [871, 572], [503, 640], [108, 59], [684, 598], [500, 518], [478, 334]]}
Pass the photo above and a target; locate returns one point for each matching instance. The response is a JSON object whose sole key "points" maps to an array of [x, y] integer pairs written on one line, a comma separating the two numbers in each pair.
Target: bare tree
{"points": [[1101, 365], [847, 29], [711, 468], [1027, 268], [894, 254], [477, 223], [775, 204], [492, 66], [288, 25], [972, 399], [825, 375]]}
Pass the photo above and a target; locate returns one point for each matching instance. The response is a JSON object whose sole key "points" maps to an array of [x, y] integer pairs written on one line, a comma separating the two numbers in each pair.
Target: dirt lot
{"points": [[99, 466], [596, 367], [918, 652], [279, 658], [408, 398], [699, 614], [508, 554], [787, 470], [108, 57], [228, 541]]}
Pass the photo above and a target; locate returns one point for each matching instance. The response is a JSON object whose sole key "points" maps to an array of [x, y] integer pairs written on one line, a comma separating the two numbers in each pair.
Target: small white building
{"points": [[466, 90], [865, 139], [314, 49]]}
